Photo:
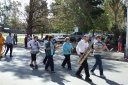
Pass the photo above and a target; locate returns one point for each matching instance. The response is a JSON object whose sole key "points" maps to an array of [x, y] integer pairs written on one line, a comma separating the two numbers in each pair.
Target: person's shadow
{"points": [[8, 59], [110, 82], [72, 73], [58, 78], [36, 72]]}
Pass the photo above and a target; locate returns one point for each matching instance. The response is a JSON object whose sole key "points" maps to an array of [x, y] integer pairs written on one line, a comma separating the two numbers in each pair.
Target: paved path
{"points": [[16, 71], [118, 56]]}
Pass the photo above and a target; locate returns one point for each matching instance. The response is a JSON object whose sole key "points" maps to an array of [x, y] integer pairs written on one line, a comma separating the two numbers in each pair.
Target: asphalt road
{"points": [[16, 71]]}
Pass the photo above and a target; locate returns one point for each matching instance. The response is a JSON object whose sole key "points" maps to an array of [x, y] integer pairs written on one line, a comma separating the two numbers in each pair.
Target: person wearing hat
{"points": [[98, 48], [9, 42], [2, 41], [67, 50], [81, 48]]}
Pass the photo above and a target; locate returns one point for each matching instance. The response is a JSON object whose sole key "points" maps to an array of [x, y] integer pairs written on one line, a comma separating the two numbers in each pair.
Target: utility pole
{"points": [[127, 31]]}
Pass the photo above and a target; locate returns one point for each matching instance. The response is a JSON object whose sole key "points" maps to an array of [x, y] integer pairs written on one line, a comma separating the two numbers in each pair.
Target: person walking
{"points": [[25, 41], [2, 41], [81, 48], [15, 39], [119, 44], [34, 45], [98, 48], [50, 50], [9, 42], [45, 41], [29, 38], [108, 43], [67, 50]]}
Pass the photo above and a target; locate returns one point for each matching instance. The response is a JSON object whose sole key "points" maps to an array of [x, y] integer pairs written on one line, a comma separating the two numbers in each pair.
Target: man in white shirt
{"points": [[34, 45], [9, 42], [81, 48]]}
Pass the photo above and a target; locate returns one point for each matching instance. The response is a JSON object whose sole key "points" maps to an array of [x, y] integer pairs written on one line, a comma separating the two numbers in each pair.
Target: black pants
{"points": [[86, 69], [33, 57], [67, 60], [50, 62], [46, 58], [25, 44], [9, 46]]}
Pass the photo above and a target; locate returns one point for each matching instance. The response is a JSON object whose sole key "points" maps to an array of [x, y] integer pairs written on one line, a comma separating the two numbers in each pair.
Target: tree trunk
{"points": [[93, 31], [29, 29], [42, 32]]}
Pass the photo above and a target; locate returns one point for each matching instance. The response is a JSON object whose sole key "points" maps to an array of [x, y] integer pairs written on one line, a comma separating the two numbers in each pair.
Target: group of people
{"points": [[83, 44], [108, 42], [50, 47], [27, 39], [8, 42]]}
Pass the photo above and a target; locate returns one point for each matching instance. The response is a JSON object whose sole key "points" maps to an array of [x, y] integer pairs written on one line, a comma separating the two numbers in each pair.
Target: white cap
{"points": [[86, 35]]}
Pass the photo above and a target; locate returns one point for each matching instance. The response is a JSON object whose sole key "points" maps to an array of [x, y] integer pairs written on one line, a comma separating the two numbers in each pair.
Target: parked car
{"points": [[76, 36], [60, 38]]}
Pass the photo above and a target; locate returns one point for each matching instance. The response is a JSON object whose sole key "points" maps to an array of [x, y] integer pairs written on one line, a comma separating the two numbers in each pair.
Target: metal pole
{"points": [[127, 32]]}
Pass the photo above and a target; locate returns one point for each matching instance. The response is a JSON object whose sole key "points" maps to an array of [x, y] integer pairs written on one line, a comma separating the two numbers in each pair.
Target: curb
{"points": [[123, 60]]}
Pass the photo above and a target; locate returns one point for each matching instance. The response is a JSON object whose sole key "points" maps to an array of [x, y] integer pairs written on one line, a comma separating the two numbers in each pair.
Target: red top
{"points": [[107, 42]]}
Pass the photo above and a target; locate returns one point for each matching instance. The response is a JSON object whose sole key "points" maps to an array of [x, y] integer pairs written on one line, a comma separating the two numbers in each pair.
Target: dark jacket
{"points": [[48, 52]]}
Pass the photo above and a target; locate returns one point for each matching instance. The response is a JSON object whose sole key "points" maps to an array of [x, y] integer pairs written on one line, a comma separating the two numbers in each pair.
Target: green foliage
{"points": [[9, 12], [88, 15], [37, 20]]}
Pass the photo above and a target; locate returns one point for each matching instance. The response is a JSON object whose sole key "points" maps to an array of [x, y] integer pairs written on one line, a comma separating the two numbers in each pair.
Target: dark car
{"points": [[77, 36]]}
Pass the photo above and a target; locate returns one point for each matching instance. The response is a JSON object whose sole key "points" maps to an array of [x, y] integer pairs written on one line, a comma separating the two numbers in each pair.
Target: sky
{"points": [[24, 3]]}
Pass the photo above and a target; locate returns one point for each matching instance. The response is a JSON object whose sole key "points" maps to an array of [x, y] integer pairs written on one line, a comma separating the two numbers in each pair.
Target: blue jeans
{"points": [[99, 63]]}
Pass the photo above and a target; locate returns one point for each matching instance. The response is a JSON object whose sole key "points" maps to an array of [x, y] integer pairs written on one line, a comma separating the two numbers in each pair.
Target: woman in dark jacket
{"points": [[50, 50]]}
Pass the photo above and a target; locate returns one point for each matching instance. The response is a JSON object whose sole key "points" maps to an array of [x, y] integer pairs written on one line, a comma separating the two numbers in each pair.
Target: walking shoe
{"points": [[62, 66], [78, 75], [69, 69], [36, 67], [88, 79], [92, 73], [46, 70], [102, 76], [31, 65], [11, 56]]}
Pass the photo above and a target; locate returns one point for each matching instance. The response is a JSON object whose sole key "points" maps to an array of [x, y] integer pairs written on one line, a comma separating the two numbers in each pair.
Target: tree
{"points": [[9, 12], [71, 13], [37, 12]]}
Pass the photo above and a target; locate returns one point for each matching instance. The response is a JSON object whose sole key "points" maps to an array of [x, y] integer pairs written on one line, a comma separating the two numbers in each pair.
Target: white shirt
{"points": [[81, 46], [9, 39], [33, 44], [45, 41], [94, 41]]}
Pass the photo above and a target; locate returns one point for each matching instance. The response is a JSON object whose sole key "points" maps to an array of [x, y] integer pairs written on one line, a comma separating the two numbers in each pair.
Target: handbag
{"points": [[34, 51]]}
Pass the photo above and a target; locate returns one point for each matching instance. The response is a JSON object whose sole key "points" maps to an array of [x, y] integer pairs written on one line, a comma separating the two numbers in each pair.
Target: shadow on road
{"points": [[108, 81], [20, 67], [58, 78]]}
